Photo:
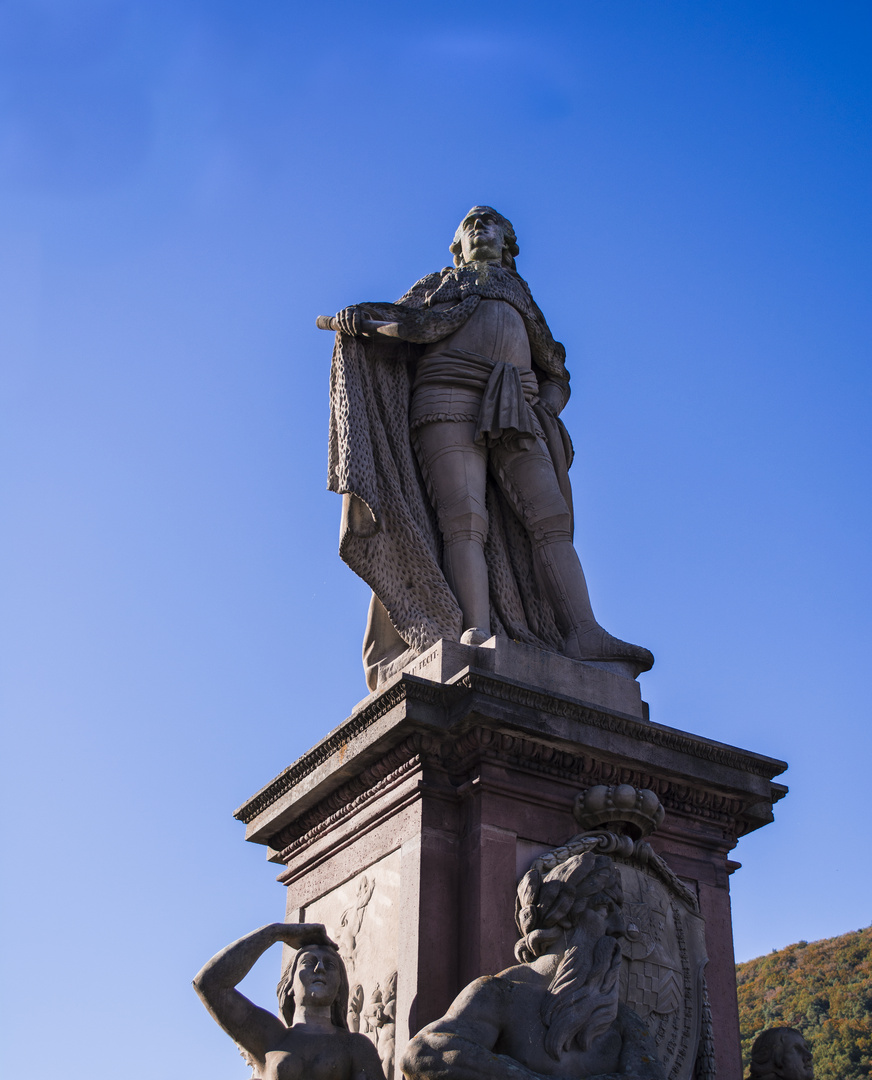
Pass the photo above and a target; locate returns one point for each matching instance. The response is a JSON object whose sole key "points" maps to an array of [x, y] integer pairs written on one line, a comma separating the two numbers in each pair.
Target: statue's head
{"points": [[485, 236], [574, 911], [317, 976], [781, 1053], [578, 900]]}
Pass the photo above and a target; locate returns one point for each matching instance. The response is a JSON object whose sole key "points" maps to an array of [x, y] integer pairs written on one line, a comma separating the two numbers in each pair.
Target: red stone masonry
{"points": [[470, 769]]}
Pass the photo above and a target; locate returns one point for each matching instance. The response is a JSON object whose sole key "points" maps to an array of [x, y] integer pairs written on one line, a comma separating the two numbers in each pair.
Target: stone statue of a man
{"points": [[558, 1012], [781, 1053], [447, 443]]}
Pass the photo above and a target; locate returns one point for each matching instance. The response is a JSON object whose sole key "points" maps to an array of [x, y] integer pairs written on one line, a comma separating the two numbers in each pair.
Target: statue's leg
{"points": [[529, 482], [455, 471]]}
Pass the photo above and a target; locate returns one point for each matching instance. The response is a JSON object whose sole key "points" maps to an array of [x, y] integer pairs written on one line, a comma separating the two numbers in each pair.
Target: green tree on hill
{"points": [[825, 990]]}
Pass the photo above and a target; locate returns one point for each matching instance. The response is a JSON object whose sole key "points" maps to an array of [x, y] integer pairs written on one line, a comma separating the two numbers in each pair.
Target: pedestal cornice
{"points": [[524, 727]]}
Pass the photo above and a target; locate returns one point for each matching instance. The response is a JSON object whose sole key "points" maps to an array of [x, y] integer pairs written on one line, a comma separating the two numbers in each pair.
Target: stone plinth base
{"points": [[406, 829]]}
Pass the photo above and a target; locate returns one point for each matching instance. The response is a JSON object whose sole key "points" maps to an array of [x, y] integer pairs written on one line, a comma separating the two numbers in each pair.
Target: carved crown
{"points": [[624, 808]]}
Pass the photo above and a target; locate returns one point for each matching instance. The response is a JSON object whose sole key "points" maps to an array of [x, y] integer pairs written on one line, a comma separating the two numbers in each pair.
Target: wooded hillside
{"points": [[823, 988]]}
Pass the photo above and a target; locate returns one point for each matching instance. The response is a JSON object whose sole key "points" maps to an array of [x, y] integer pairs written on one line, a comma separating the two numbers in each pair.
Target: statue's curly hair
{"points": [[546, 906], [285, 993], [510, 241], [767, 1053]]}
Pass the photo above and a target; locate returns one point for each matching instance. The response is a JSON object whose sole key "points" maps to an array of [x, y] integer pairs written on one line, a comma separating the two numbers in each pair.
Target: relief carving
{"points": [[355, 1005], [663, 946], [362, 915], [381, 1016], [351, 920]]}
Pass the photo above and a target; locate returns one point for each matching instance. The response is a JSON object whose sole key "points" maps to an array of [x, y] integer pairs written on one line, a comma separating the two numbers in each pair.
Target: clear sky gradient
{"points": [[185, 186]]}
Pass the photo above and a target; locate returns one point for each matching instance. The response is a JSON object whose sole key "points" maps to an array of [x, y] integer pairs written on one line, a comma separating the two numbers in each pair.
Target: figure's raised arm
{"points": [[255, 1029], [460, 1045]]}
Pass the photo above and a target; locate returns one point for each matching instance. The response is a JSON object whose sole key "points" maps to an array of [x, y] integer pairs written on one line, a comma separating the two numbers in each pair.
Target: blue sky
{"points": [[185, 186]]}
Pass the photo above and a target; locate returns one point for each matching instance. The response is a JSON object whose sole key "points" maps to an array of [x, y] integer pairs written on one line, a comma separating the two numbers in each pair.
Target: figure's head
{"points": [[317, 976], [574, 911], [577, 902], [485, 236], [781, 1054]]}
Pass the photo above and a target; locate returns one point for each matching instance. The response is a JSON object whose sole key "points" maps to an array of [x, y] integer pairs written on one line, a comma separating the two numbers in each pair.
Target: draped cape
{"points": [[389, 535]]}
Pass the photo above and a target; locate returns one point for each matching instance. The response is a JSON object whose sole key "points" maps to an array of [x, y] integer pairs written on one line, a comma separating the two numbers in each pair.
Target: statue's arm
{"points": [[364, 319], [367, 1064], [550, 357], [460, 1045], [553, 395], [255, 1029]]}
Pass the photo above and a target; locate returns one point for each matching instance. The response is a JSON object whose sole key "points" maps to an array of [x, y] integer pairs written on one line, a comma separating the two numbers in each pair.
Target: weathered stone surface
{"points": [[362, 915], [632, 1003], [781, 1053], [464, 783], [560, 1011], [526, 665]]}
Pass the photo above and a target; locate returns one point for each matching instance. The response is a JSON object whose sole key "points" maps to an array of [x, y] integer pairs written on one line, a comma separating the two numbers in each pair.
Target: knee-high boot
{"points": [[566, 589]]}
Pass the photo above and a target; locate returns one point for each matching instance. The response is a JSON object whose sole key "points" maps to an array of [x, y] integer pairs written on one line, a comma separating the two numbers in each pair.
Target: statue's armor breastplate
{"points": [[495, 330], [453, 372]]}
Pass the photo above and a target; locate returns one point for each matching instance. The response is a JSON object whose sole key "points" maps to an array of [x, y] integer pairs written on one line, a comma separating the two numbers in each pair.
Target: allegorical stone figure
{"points": [[557, 1013], [446, 441], [387, 1026], [311, 1041], [781, 1053]]}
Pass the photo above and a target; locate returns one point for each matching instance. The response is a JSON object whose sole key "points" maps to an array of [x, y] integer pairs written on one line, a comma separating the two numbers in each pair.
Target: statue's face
{"points": [[601, 918], [481, 238], [317, 977], [796, 1063]]}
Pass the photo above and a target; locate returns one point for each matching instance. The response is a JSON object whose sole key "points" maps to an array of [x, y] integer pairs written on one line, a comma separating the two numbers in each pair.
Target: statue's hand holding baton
{"points": [[357, 322]]}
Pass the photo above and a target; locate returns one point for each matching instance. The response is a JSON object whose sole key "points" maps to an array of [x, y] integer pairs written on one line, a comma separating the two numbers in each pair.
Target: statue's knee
{"points": [[415, 1059], [463, 524], [550, 530]]}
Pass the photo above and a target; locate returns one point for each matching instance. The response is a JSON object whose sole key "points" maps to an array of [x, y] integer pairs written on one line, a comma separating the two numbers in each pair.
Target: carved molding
{"points": [[413, 688], [347, 799], [418, 689], [459, 755], [525, 753], [641, 731]]}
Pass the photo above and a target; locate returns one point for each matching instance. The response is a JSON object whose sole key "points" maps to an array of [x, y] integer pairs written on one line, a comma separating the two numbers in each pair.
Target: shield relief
{"points": [[663, 950]]}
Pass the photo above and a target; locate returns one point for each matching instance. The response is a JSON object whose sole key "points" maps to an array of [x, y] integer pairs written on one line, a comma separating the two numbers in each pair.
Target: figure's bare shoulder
{"points": [[520, 974], [481, 1001], [482, 1005], [364, 1055]]}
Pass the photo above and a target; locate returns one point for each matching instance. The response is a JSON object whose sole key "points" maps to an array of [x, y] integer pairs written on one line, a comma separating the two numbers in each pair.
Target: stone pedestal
{"points": [[406, 829]]}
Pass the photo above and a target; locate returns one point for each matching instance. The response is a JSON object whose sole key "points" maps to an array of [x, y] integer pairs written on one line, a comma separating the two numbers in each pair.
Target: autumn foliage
{"points": [[825, 990]]}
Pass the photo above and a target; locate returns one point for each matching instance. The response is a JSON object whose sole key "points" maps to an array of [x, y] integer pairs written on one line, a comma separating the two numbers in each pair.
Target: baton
{"points": [[329, 322]]}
